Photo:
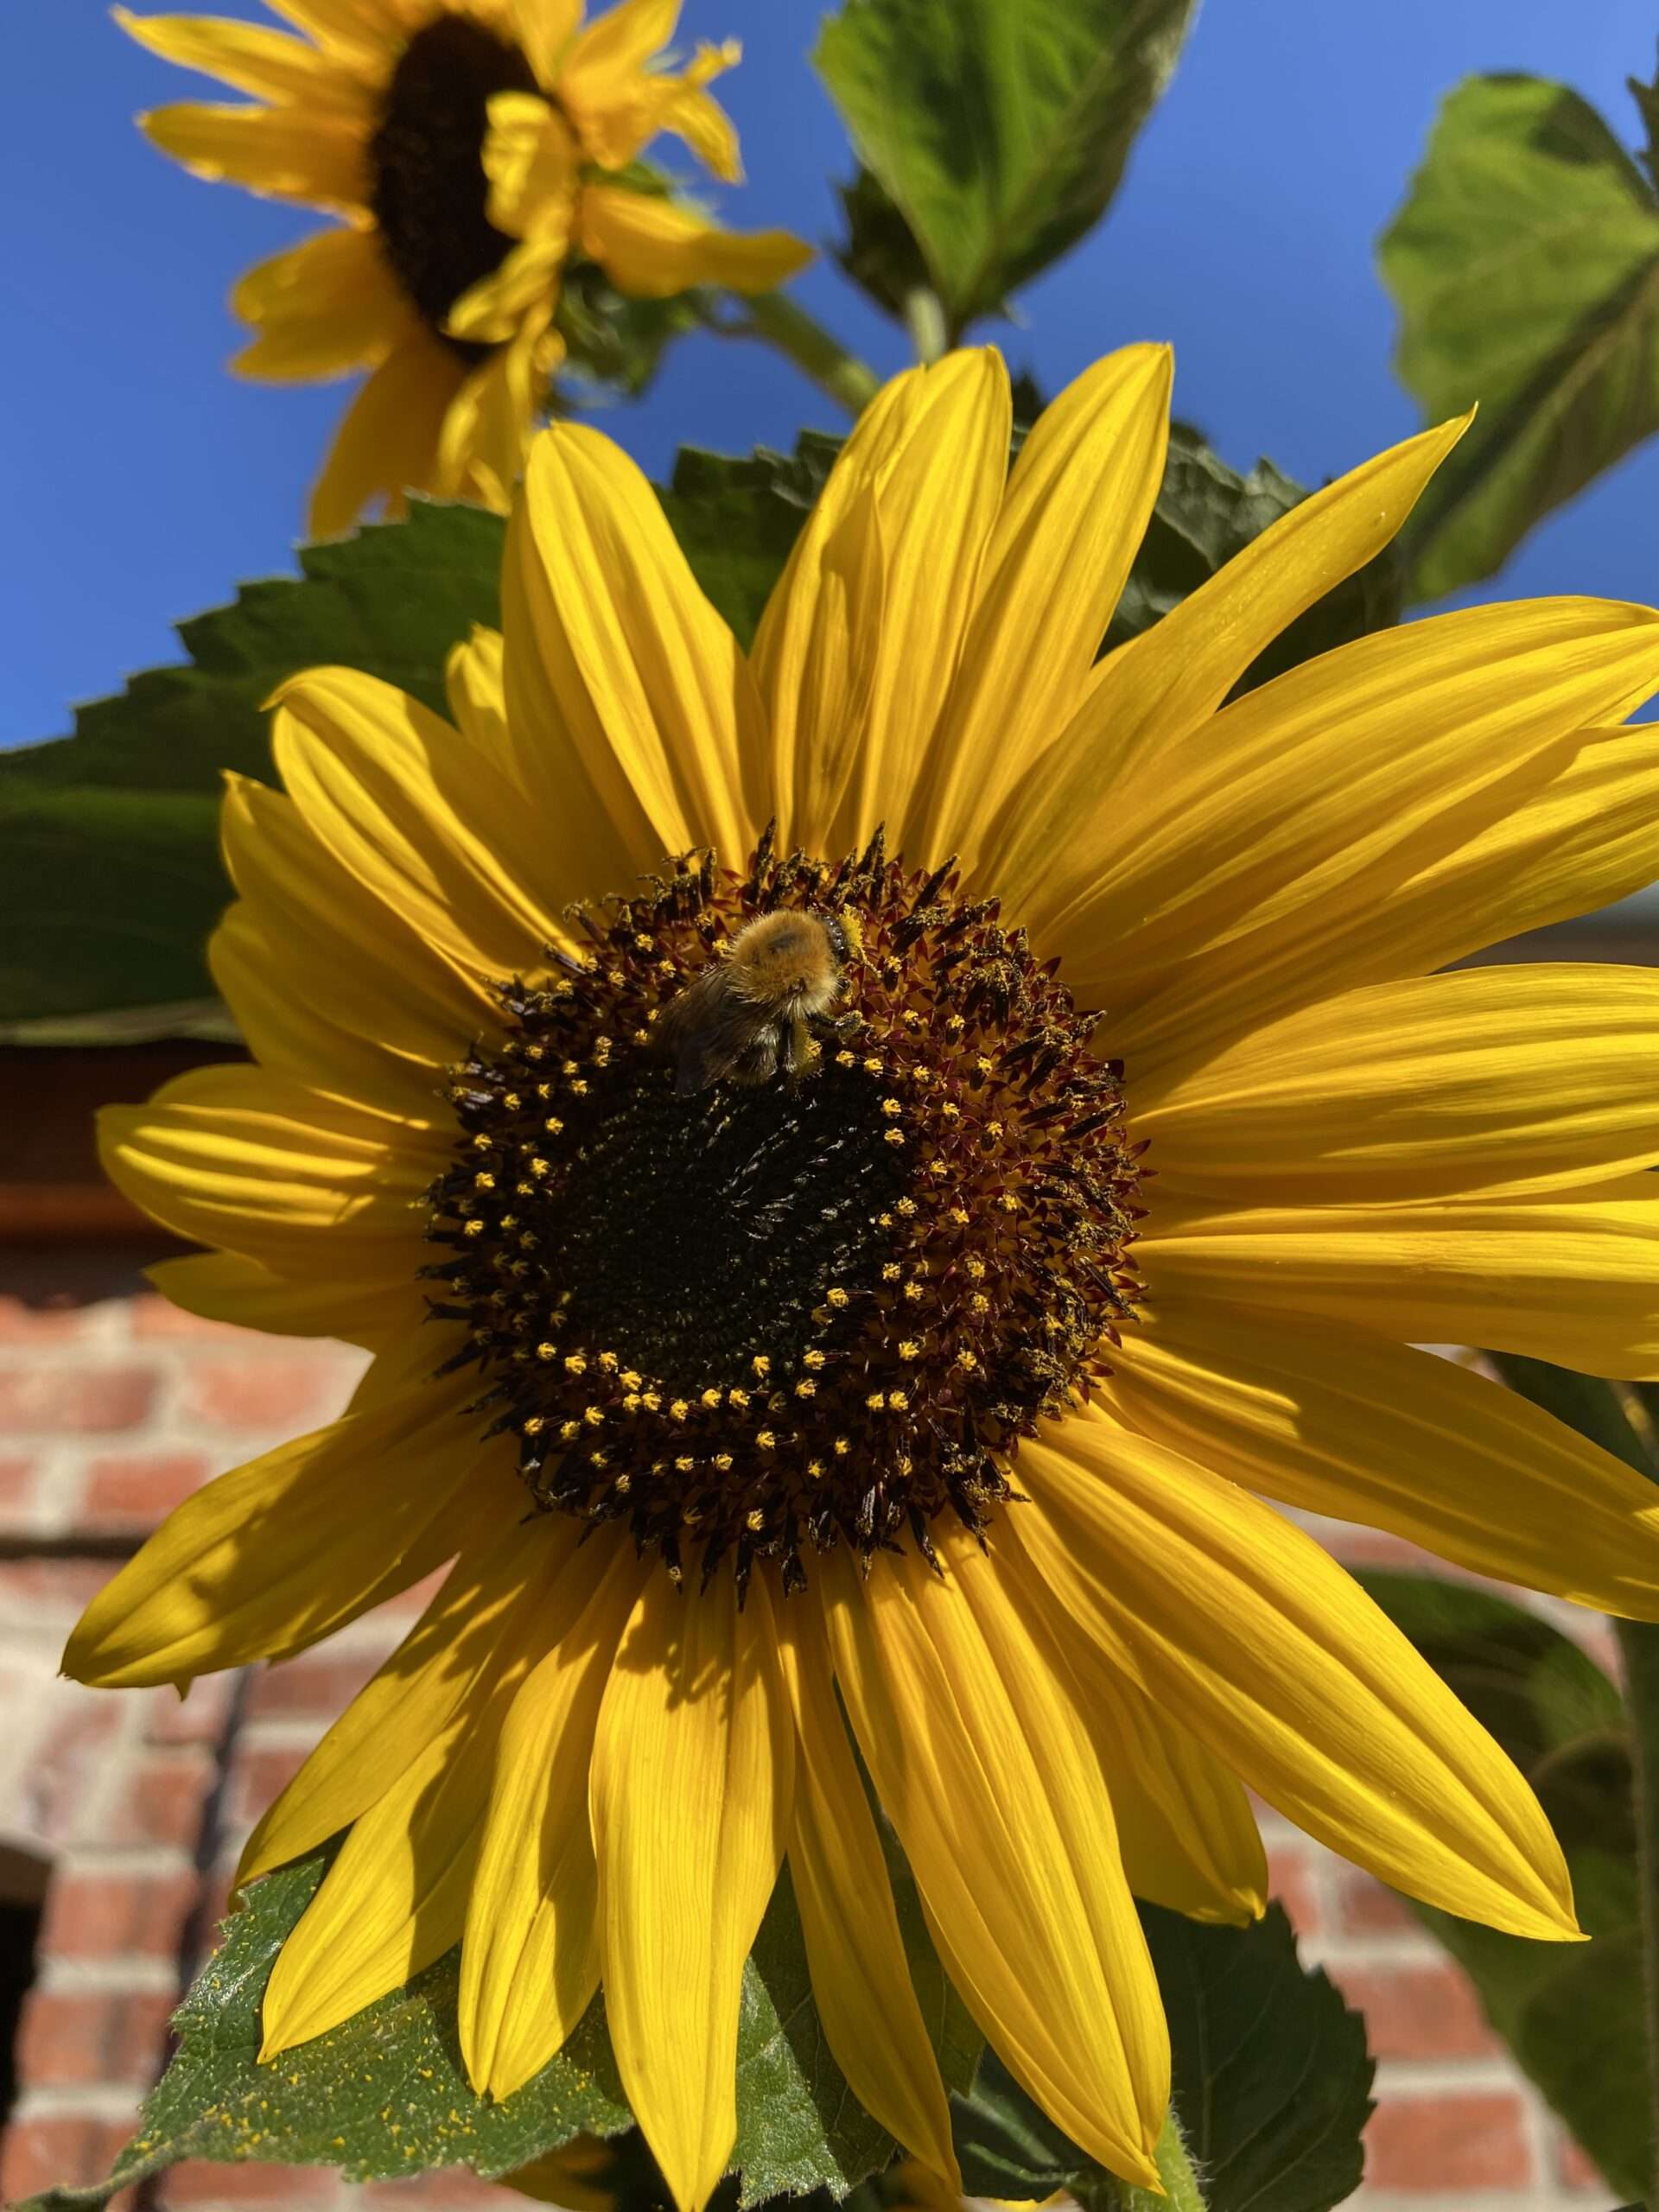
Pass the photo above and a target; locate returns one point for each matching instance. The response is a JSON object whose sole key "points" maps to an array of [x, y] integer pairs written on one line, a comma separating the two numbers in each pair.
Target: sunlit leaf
{"points": [[998, 128], [1525, 265]]}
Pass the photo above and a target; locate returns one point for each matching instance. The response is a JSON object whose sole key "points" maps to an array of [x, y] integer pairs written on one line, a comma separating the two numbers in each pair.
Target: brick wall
{"points": [[112, 1408]]}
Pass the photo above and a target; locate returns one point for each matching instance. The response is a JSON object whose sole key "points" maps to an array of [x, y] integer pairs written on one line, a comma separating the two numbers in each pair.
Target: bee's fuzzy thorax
{"points": [[771, 1317]]}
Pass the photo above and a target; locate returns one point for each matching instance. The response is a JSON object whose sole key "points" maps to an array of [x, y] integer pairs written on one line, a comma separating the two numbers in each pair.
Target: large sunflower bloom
{"points": [[475, 148], [908, 1388]]}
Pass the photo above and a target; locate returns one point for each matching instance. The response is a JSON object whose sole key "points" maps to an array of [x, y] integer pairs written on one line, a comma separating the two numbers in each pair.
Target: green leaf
{"points": [[385, 2094], [1206, 512], [112, 877], [880, 252], [799, 2127], [999, 129], [1574, 2015], [1525, 266], [1271, 2083]]}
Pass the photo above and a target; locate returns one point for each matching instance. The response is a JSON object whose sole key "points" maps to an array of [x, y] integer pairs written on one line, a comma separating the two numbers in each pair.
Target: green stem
{"points": [[1181, 2191], [924, 320], [1638, 1643], [852, 384]]}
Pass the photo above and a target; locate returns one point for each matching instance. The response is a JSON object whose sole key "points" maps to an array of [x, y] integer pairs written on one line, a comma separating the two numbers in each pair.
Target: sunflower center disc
{"points": [[764, 1319], [429, 191]]}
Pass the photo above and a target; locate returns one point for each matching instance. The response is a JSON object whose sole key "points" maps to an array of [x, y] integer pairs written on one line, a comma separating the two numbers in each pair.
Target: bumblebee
{"points": [[748, 1017]]}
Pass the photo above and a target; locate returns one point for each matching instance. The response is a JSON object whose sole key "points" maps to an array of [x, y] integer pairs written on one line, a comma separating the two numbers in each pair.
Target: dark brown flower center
{"points": [[759, 1320], [429, 194]]}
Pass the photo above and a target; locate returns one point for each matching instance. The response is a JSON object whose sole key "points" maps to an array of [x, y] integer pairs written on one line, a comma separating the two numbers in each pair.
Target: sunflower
{"points": [[923, 1406], [477, 151]]}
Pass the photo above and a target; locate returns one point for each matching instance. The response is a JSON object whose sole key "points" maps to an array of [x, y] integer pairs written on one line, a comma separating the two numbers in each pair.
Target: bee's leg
{"points": [[799, 1048]]}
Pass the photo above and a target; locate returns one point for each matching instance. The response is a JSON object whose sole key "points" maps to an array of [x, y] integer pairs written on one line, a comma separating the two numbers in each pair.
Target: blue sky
{"points": [[144, 481]]}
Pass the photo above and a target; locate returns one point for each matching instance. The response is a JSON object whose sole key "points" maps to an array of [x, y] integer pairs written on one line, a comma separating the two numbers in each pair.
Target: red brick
{"points": [[314, 1686], [74, 2149], [65, 1770], [248, 2182], [72, 2038], [20, 1322], [76, 1401], [1412, 2012], [127, 1493], [258, 1778], [162, 1799], [1364, 1907], [1476, 2141], [150, 1316], [1574, 2167], [197, 1718], [47, 1590], [262, 1391], [1376, 1547], [104, 1916], [416, 1598], [17, 1491], [1290, 1878]]}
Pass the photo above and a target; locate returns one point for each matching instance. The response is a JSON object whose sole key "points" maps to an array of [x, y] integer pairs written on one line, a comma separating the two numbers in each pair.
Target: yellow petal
{"points": [[866, 623], [394, 1900], [1337, 1423], [1241, 1629], [387, 441], [426, 821], [281, 152], [478, 705], [1571, 1277], [487, 432], [305, 1184], [366, 32], [984, 1768], [1076, 507], [396, 1896], [530, 159], [861, 1978], [1146, 699], [412, 1699], [690, 1793], [1543, 1073], [491, 311], [395, 990], [530, 1956], [1572, 829], [223, 1286], [652, 248], [543, 30], [602, 63], [627, 694], [281, 1553], [267, 63], [697, 118], [288, 1033], [1312, 796], [326, 306], [1185, 1826]]}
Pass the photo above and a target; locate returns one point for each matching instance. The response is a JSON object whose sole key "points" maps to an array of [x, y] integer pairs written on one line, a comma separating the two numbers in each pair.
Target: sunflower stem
{"points": [[924, 320], [852, 384], [1639, 1643], [1175, 2171]]}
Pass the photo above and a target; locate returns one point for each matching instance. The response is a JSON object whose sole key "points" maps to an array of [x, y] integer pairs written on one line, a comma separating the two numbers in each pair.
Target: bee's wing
{"points": [[706, 1030]]}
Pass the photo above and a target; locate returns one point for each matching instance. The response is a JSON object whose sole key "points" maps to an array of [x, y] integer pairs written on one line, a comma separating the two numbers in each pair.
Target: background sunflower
{"points": [[481, 152]]}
